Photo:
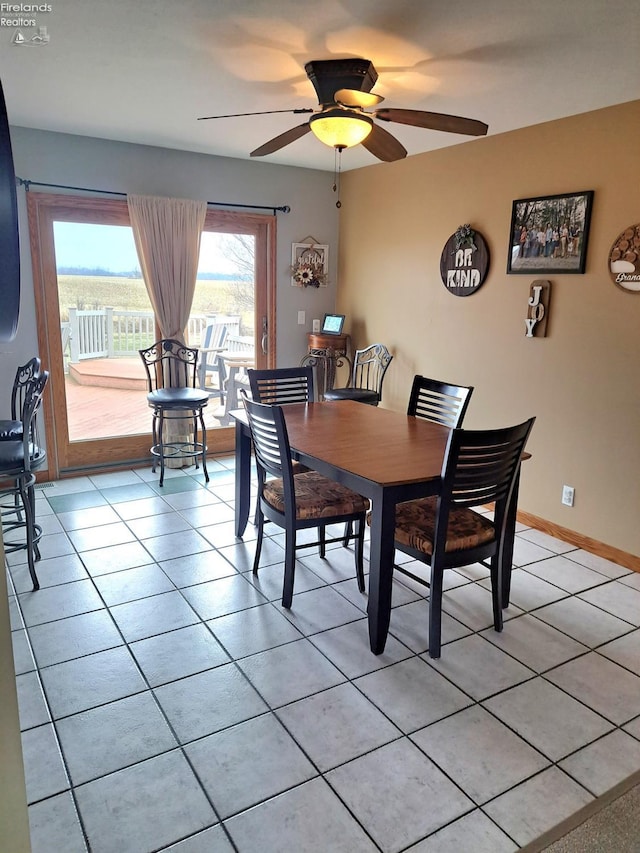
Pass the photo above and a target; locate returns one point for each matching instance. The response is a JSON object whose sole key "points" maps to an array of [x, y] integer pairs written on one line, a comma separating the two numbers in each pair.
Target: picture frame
{"points": [[549, 234], [309, 264]]}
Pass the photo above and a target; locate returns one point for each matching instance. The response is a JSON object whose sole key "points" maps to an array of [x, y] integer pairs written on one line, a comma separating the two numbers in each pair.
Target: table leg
{"points": [[381, 555], [243, 477]]}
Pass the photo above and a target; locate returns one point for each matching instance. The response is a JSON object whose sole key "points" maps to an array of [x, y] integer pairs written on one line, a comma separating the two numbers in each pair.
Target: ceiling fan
{"points": [[343, 87]]}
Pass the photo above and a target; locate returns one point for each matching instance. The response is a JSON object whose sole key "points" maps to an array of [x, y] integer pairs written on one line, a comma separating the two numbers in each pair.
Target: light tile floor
{"points": [[168, 702]]}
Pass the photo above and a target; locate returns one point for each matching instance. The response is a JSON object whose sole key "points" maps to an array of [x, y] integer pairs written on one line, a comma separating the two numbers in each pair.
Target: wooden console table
{"points": [[326, 353]]}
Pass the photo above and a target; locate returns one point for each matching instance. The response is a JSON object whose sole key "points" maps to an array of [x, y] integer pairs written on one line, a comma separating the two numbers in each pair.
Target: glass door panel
{"points": [[94, 315], [225, 297], [105, 318]]}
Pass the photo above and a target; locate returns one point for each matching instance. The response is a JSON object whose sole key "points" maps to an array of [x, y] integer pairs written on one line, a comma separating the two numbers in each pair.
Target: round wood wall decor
{"points": [[624, 259], [464, 262]]}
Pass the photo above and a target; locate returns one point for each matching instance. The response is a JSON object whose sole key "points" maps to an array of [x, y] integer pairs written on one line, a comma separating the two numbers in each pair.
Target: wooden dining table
{"points": [[386, 456]]}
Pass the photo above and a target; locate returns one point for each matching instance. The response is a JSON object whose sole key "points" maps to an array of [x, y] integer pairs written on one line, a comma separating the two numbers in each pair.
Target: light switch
{"points": [[302, 319]]}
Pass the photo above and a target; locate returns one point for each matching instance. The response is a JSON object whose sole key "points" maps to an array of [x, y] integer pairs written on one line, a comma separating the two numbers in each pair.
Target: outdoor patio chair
{"points": [[210, 373]]}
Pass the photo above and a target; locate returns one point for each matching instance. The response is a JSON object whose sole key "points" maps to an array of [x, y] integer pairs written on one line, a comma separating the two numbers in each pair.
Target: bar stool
{"points": [[171, 368], [12, 427], [20, 458]]}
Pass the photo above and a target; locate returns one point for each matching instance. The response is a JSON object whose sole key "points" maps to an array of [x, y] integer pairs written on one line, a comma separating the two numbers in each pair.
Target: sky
{"points": [[111, 247]]}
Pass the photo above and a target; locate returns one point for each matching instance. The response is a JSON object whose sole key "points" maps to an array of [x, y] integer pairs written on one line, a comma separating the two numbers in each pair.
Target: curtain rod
{"points": [[27, 184]]}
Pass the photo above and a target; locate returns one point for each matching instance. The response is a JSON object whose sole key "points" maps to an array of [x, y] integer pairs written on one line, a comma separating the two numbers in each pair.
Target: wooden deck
{"points": [[126, 373], [100, 411]]}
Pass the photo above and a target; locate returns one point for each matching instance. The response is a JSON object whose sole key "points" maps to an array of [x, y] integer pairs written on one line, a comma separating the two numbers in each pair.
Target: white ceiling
{"points": [[144, 70]]}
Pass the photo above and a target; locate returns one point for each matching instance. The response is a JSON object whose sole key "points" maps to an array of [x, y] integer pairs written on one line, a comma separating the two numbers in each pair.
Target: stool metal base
{"points": [[196, 450], [23, 507], [179, 449]]}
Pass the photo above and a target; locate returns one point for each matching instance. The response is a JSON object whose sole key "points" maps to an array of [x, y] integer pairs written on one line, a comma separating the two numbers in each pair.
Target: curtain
{"points": [[167, 235]]}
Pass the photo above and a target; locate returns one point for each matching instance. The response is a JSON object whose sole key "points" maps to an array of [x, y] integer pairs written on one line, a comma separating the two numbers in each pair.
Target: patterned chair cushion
{"points": [[415, 524], [316, 497]]}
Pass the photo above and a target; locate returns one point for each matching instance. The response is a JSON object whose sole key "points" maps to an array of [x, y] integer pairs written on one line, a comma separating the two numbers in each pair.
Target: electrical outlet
{"points": [[567, 495], [316, 325], [302, 318]]}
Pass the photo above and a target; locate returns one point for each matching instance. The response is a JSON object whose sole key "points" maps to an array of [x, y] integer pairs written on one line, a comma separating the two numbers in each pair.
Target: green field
{"points": [[129, 294]]}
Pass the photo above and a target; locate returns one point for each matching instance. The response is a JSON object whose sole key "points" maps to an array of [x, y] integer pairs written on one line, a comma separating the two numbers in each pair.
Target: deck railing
{"points": [[110, 333]]}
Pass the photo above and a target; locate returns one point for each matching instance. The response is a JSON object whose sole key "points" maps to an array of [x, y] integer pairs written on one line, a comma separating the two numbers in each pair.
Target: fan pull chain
{"points": [[337, 164]]}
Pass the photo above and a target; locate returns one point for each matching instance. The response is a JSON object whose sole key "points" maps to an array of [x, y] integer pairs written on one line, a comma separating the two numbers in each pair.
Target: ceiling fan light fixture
{"points": [[340, 128]]}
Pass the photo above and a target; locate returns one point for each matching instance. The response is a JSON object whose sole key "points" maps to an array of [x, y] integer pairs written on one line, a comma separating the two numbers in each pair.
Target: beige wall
{"points": [[583, 380]]}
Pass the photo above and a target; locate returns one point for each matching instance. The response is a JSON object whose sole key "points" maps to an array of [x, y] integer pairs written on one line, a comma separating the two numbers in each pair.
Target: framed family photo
{"points": [[549, 234]]}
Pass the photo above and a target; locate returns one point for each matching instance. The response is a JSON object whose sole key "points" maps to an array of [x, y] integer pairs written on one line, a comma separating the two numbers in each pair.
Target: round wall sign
{"points": [[464, 261], [624, 259]]}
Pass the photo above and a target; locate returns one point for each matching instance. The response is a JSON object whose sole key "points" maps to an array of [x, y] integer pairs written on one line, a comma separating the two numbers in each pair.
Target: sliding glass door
{"points": [[94, 315]]}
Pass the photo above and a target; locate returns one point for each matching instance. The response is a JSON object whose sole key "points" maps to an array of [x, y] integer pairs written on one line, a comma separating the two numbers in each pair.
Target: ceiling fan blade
{"points": [[279, 142], [434, 121], [262, 113], [383, 145], [354, 98]]}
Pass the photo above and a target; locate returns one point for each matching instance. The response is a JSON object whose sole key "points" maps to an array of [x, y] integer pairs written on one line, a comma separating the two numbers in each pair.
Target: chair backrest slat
{"points": [[283, 385], [438, 401], [269, 436], [481, 465]]}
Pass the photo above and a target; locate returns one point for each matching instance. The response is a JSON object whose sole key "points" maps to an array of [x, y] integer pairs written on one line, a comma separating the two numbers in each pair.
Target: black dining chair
{"points": [[20, 458], [173, 397], [282, 385], [439, 402], [368, 372], [299, 502], [445, 531]]}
